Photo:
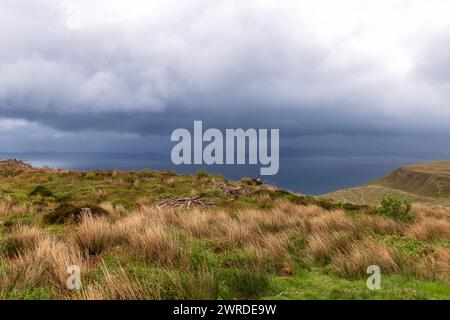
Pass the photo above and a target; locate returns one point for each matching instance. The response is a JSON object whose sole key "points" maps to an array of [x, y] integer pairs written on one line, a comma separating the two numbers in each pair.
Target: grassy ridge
{"points": [[426, 183], [135, 188]]}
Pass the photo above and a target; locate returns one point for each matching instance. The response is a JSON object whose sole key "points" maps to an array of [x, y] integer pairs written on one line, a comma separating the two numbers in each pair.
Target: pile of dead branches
{"points": [[230, 190], [178, 202]]}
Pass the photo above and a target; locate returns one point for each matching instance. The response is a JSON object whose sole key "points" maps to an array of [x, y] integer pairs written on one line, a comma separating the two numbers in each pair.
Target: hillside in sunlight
{"points": [[426, 183]]}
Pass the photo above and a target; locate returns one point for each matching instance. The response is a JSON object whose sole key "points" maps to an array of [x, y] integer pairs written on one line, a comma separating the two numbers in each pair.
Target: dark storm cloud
{"points": [[146, 68]]}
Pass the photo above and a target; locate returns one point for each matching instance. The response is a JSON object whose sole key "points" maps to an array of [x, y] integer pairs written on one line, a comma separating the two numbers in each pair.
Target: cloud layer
{"points": [[316, 68]]}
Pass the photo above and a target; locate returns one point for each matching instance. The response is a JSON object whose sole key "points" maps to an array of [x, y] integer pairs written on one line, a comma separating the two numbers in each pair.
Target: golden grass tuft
{"points": [[148, 236], [434, 265], [8, 206], [270, 246], [197, 223], [46, 264], [324, 244], [154, 244], [93, 235], [336, 220], [422, 212], [353, 262], [26, 237], [429, 229], [119, 286], [378, 224], [115, 211]]}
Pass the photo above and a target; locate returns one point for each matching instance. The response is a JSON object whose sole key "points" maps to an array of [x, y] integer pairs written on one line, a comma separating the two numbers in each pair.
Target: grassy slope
{"points": [[425, 183], [316, 283], [308, 280], [133, 188]]}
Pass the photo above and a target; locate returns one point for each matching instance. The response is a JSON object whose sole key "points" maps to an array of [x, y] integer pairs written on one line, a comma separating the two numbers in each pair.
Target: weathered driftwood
{"points": [[178, 202], [227, 189], [199, 201]]}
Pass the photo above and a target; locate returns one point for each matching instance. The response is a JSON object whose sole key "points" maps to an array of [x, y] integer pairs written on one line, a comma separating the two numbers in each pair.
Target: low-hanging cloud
{"points": [[307, 67]]}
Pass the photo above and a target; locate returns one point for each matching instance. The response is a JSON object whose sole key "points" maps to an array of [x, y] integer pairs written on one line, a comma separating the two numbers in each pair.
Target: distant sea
{"points": [[306, 174]]}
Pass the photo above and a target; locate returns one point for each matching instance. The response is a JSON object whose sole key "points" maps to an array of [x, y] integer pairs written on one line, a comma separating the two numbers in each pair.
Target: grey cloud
{"points": [[227, 63]]}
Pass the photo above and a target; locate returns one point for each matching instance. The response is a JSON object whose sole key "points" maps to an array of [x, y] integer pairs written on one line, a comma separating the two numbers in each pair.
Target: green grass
{"points": [[46, 190], [316, 283], [38, 293]]}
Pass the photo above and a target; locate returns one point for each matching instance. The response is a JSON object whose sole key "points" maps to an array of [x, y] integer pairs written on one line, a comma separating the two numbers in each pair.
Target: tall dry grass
{"points": [[336, 220], [45, 264], [323, 245], [94, 235], [422, 212], [433, 265], [8, 206], [118, 286], [26, 237], [429, 229], [378, 224], [348, 243], [353, 262], [147, 234]]}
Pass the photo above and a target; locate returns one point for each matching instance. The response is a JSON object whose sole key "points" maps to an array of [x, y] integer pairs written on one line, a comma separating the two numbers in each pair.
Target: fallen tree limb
{"points": [[227, 189], [178, 202]]}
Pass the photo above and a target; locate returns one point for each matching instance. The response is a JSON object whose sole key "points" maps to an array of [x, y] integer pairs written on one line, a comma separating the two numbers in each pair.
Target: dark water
{"points": [[307, 175]]}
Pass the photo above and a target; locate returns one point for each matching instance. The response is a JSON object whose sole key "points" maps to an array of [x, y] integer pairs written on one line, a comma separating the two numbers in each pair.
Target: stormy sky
{"points": [[100, 75]]}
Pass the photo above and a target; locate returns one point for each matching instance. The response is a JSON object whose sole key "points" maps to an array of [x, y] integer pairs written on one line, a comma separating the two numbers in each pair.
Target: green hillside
{"points": [[425, 183]]}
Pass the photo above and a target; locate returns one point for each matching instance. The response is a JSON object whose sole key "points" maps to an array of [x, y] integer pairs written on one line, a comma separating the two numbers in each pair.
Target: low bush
{"points": [[396, 209], [41, 191], [67, 212]]}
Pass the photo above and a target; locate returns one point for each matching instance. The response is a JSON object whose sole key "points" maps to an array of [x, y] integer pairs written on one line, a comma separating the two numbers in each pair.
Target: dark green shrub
{"points": [[396, 209], [67, 212], [41, 191]]}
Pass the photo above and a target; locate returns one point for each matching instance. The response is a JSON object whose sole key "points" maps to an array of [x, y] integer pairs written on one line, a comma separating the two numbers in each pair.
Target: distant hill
{"points": [[428, 183]]}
